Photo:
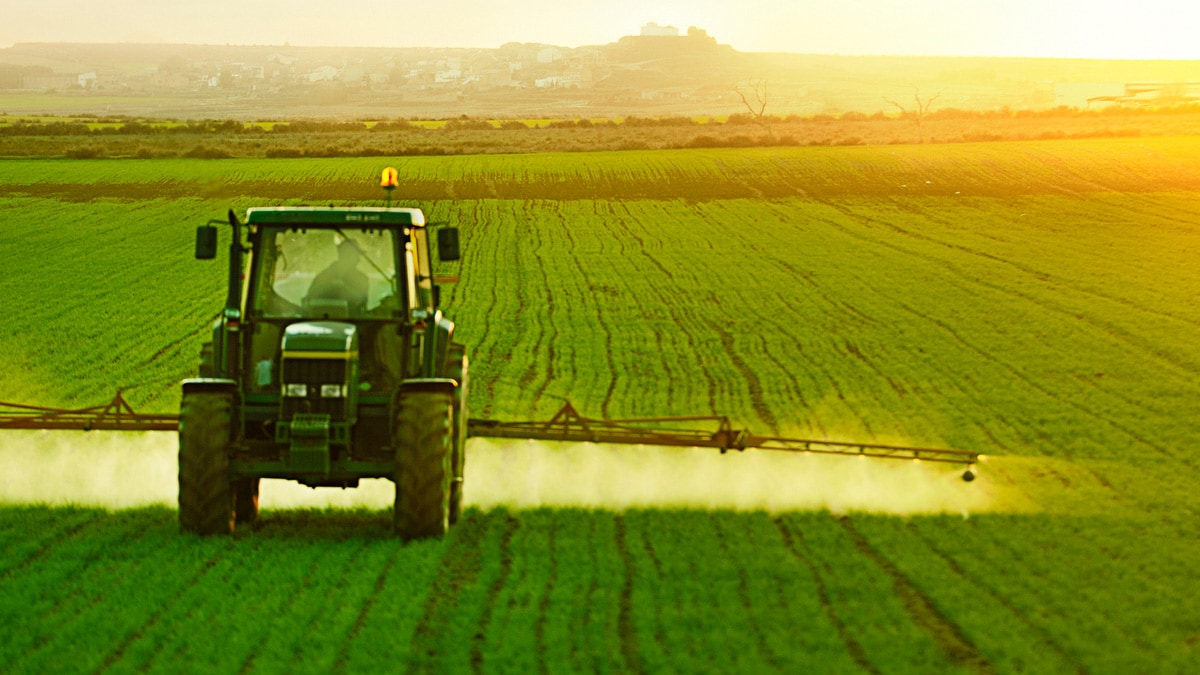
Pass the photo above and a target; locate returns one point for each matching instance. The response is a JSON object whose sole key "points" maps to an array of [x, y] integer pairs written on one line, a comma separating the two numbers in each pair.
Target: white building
{"points": [[323, 74], [659, 31]]}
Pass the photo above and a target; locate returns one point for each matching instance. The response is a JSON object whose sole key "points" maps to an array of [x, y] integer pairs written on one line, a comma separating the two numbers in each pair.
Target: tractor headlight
{"points": [[332, 391], [296, 390]]}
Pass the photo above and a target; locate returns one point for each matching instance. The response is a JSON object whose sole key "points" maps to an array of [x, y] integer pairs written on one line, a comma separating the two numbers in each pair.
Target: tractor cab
{"points": [[370, 269], [328, 263], [362, 283]]}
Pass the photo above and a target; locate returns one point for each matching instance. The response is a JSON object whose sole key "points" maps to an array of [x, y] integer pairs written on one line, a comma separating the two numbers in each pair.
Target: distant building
{"points": [[658, 41], [549, 55], [655, 30], [323, 74]]}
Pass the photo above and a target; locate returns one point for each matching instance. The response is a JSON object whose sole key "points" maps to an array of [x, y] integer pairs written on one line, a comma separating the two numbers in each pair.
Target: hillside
{"points": [[685, 75]]}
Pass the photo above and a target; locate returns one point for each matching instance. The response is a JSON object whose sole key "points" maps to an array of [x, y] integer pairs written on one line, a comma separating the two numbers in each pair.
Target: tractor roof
{"points": [[335, 216]]}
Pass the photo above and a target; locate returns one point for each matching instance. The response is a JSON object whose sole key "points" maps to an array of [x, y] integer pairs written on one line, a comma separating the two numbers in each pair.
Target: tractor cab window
{"points": [[342, 273]]}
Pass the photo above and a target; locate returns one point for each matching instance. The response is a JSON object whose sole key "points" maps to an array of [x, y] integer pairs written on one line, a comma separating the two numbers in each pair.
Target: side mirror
{"points": [[448, 244], [206, 242]]}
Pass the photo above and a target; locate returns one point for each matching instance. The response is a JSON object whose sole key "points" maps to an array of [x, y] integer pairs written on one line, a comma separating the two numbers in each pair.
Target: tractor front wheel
{"points": [[205, 498], [423, 473]]}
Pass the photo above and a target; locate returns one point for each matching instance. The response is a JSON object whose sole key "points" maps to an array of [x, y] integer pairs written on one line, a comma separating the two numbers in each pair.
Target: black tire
{"points": [[245, 501], [205, 495], [206, 360], [458, 371], [423, 464]]}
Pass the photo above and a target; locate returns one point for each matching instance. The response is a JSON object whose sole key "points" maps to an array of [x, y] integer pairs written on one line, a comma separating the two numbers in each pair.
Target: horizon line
{"points": [[290, 45]]}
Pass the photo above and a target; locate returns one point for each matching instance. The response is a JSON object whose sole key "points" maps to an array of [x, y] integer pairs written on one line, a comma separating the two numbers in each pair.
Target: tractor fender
{"points": [[439, 385], [196, 385]]}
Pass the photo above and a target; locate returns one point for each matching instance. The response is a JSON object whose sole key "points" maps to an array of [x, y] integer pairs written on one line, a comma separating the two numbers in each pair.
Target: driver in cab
{"points": [[342, 280]]}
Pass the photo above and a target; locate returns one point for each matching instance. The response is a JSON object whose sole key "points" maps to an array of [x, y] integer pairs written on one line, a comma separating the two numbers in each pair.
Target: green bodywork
{"points": [[316, 363]]}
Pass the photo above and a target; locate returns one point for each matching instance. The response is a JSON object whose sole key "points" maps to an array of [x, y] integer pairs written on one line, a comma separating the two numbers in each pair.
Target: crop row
{"points": [[556, 591], [828, 319], [992, 170], [1014, 580], [1033, 325], [1034, 315], [107, 296]]}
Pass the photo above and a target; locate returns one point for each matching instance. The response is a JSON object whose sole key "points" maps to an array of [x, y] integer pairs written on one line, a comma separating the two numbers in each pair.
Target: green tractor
{"points": [[330, 363]]}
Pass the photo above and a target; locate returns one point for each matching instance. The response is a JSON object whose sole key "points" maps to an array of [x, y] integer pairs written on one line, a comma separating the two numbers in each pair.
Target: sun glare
{"points": [[1154, 29]]}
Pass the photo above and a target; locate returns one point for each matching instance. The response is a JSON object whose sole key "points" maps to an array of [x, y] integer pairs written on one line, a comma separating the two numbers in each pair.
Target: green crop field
{"points": [[1036, 302]]}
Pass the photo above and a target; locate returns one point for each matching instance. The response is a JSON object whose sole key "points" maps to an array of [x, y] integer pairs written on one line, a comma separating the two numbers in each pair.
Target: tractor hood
{"points": [[320, 336]]}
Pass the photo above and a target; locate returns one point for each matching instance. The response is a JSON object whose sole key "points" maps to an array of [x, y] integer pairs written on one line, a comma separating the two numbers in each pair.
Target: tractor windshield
{"points": [[326, 273]]}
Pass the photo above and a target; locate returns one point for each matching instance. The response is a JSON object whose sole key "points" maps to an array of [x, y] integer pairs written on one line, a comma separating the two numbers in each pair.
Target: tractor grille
{"points": [[314, 373]]}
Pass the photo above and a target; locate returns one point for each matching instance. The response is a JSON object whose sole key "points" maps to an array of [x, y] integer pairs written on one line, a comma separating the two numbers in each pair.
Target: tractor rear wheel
{"points": [[458, 371], [245, 501], [205, 498], [423, 464]]}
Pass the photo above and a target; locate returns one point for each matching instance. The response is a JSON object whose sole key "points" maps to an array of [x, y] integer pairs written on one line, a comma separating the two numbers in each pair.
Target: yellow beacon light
{"points": [[389, 181]]}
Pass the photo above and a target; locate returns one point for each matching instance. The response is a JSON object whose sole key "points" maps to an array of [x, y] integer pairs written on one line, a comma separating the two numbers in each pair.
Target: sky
{"points": [[1103, 29]]}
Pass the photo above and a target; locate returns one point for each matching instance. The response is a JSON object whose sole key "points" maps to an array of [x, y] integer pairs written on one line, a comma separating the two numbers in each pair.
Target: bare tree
{"points": [[758, 107], [917, 114]]}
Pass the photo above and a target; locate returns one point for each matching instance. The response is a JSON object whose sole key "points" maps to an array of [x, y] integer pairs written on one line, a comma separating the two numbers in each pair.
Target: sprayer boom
{"points": [[569, 425], [566, 425], [116, 415]]}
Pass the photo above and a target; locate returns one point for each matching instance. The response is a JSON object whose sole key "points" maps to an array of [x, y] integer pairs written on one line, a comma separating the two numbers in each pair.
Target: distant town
{"points": [[330, 76], [660, 70]]}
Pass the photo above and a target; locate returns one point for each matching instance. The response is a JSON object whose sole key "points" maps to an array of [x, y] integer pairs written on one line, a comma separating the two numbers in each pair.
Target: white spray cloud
{"points": [[525, 474], [109, 469], [125, 469], [122, 470]]}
